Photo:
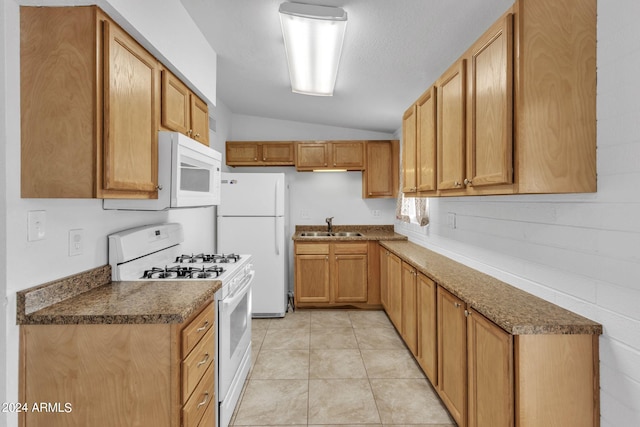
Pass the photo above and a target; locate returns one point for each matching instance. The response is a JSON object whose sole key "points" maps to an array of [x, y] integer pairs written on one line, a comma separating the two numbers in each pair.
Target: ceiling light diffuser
{"points": [[313, 37]]}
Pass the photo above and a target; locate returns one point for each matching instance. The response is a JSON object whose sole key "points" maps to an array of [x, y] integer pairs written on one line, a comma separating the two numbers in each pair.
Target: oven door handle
{"points": [[233, 299]]}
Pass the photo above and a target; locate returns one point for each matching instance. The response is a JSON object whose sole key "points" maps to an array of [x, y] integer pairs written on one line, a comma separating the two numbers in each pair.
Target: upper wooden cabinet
{"points": [[349, 155], [516, 112], [409, 160], [380, 177], [451, 141], [89, 107], [419, 152], [260, 153], [182, 110]]}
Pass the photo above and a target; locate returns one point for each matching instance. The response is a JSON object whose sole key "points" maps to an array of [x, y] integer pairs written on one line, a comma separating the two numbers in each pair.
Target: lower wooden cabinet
{"points": [[409, 329], [394, 290], [490, 373], [427, 327], [452, 354], [120, 374], [331, 273]]}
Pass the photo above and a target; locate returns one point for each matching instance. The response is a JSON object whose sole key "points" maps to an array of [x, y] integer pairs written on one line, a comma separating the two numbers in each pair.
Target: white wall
{"points": [[579, 251], [28, 264]]}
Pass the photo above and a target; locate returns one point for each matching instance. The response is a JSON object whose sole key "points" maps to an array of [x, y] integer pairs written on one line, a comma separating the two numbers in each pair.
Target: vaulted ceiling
{"points": [[393, 50]]}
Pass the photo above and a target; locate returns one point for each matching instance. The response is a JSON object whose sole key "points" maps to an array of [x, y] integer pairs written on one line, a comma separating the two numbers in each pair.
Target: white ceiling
{"points": [[393, 50]]}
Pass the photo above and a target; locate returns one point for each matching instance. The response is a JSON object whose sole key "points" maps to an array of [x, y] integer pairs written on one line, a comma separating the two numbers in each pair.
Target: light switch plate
{"points": [[36, 225], [76, 242], [451, 220]]}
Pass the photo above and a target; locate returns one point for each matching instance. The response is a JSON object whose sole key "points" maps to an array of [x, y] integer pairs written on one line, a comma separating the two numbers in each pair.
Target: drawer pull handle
{"points": [[203, 327], [204, 402], [203, 361]]}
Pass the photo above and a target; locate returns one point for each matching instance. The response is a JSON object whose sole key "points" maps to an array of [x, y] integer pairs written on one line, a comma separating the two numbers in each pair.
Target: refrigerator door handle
{"points": [[275, 224], [275, 199]]}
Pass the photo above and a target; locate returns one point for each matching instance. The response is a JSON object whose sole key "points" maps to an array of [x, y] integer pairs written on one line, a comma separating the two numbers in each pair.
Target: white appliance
{"points": [[252, 218], [154, 252], [188, 176]]}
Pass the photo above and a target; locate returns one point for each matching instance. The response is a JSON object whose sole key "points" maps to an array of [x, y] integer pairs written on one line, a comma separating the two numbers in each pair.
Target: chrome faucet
{"points": [[329, 224]]}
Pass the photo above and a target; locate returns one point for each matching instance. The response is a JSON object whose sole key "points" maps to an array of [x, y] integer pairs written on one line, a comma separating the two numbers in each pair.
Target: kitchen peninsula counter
{"points": [[91, 297], [514, 310], [369, 232]]}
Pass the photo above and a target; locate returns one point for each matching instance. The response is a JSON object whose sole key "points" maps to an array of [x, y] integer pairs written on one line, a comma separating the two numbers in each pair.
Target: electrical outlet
{"points": [[76, 242], [304, 214], [451, 220], [36, 225], [375, 213]]}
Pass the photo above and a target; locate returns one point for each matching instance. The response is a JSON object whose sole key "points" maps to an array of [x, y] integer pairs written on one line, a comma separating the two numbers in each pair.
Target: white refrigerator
{"points": [[252, 219]]}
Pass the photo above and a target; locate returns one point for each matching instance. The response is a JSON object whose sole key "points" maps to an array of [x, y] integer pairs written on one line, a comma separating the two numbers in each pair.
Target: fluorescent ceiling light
{"points": [[313, 38]]}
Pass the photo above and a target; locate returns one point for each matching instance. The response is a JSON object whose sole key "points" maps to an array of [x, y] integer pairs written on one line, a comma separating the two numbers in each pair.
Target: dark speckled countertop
{"points": [[369, 232], [514, 310], [90, 297]]}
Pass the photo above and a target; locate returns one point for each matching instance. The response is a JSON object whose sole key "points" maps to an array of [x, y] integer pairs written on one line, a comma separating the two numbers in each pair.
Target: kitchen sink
{"points": [[315, 234], [327, 234]]}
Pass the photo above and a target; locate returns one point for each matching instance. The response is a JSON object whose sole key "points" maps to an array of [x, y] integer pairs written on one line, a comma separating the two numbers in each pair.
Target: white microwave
{"points": [[188, 176]]}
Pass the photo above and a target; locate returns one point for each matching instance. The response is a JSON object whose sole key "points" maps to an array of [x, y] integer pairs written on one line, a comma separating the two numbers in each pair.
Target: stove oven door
{"points": [[234, 332]]}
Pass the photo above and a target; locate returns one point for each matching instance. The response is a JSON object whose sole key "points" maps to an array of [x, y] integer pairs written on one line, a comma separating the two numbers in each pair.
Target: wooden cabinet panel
{"points": [[199, 120], [384, 278], [347, 154], [409, 315], [175, 114], [196, 363], [131, 137], [350, 278], [102, 113], [426, 160], [451, 130], [281, 153], [452, 354], [490, 107], [394, 297], [311, 156], [427, 327], [490, 372], [242, 153], [409, 181], [312, 279], [194, 409], [380, 178]]}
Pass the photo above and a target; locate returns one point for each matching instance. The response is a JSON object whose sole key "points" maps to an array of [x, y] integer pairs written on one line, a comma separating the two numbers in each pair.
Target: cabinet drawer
{"points": [[196, 363], [193, 411], [208, 419], [350, 248], [312, 248], [194, 331]]}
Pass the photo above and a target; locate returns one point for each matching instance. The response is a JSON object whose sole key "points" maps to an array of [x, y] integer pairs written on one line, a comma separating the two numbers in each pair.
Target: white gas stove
{"points": [[154, 253]]}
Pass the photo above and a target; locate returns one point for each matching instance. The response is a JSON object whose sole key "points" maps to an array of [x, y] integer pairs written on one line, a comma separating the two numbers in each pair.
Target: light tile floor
{"points": [[335, 367]]}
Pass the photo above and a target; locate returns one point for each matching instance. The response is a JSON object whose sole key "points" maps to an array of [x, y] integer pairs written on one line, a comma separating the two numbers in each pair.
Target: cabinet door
{"points": [[451, 127], [426, 141], [380, 178], [279, 153], [395, 291], [384, 278], [310, 155], [348, 154], [490, 369], [312, 278], [452, 354], [242, 153], [199, 120], [409, 150], [427, 327], [175, 103], [130, 124], [350, 278], [409, 315], [490, 101]]}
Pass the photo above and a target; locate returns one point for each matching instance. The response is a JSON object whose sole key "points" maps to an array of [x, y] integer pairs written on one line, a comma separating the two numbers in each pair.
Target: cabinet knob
{"points": [[197, 135], [468, 182], [457, 305], [189, 132], [456, 184], [158, 187]]}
